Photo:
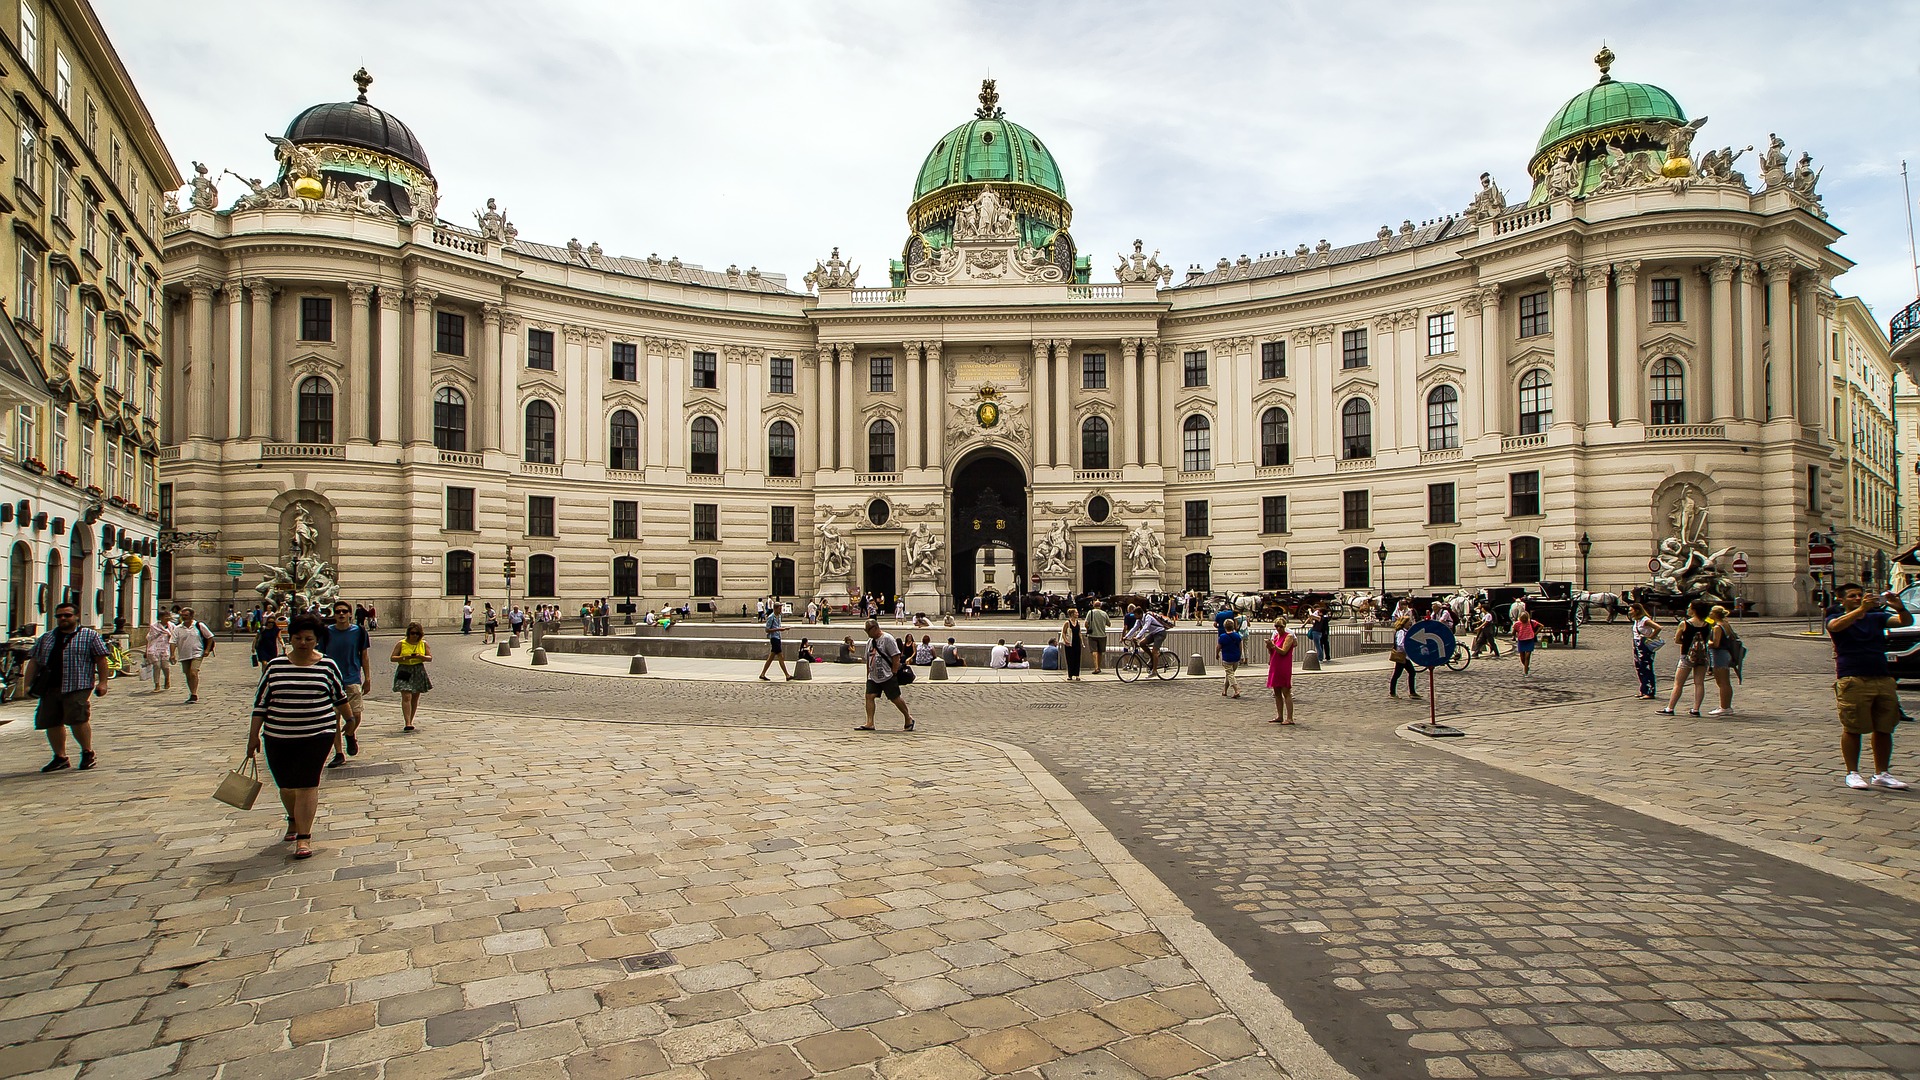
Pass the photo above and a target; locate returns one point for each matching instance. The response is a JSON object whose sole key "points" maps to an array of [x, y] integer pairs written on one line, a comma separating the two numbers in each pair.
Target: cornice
{"points": [[1319, 299]]}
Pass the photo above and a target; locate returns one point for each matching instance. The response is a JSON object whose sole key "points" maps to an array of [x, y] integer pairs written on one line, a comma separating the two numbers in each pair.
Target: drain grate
{"points": [[653, 961], [1046, 705], [356, 773]]}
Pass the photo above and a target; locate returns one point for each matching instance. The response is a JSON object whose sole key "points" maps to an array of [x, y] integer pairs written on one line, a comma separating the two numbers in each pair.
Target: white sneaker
{"points": [[1886, 780], [1718, 712], [1857, 782]]}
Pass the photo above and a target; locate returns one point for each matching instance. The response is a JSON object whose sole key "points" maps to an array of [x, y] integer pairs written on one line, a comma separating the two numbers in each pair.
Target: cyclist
{"points": [[1150, 632]]}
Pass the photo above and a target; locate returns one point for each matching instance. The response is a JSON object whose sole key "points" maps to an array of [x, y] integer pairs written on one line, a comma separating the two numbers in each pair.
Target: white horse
{"points": [[1611, 603], [1461, 604]]}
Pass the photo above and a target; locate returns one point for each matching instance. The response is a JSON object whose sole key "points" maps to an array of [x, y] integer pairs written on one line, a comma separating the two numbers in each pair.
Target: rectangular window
{"points": [[86, 454], [540, 349], [1273, 513], [540, 515], [781, 529], [1813, 489], [29, 37], [626, 362], [706, 371], [166, 506], [1443, 565], [626, 519], [1093, 371], [109, 462], [459, 573], [1523, 494], [23, 439], [1441, 508], [62, 191], [1525, 563], [1440, 337], [1355, 511], [29, 293], [1665, 294], [451, 333], [93, 123], [1273, 359], [1273, 570], [1353, 348], [1534, 315], [90, 226], [57, 440], [1194, 368], [63, 82], [780, 375], [1356, 570], [1196, 517], [880, 374], [89, 336], [706, 521], [460, 509], [57, 331], [316, 318]]}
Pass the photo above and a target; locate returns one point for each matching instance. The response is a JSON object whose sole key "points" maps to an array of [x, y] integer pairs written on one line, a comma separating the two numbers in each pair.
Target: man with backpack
{"points": [[66, 665], [192, 642]]}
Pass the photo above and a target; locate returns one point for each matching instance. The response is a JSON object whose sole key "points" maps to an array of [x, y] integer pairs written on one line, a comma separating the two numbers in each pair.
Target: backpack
{"points": [[1736, 648], [206, 636]]}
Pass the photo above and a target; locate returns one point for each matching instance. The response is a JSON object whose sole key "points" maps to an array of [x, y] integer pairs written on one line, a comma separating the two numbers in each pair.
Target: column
{"points": [[847, 419], [829, 394], [734, 383], [1405, 381], [1751, 363], [1567, 404], [1599, 352], [1063, 369], [417, 384], [1626, 360], [1041, 387], [654, 430], [390, 365], [356, 383], [916, 406], [1783, 383], [260, 370], [753, 430], [1150, 371], [1388, 430], [510, 425], [1126, 440], [233, 425], [488, 403], [1493, 360], [1220, 375], [1326, 415], [1720, 274], [674, 416], [1473, 354], [1246, 423], [1810, 352], [936, 407], [198, 391], [586, 383]]}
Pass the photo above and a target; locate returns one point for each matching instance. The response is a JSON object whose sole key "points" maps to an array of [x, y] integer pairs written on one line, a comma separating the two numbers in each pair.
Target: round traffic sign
{"points": [[1429, 643], [1740, 564], [1653, 566]]}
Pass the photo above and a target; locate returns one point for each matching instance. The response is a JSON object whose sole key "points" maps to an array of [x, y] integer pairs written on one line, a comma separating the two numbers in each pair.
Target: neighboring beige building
{"points": [[1862, 416], [80, 353], [1906, 432], [1468, 397]]}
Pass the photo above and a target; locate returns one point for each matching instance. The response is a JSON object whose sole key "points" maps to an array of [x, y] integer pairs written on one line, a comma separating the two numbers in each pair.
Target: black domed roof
{"points": [[356, 123]]}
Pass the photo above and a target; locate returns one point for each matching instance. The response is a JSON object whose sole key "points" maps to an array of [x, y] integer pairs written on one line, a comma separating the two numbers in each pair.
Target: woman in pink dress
{"points": [[1280, 671]]}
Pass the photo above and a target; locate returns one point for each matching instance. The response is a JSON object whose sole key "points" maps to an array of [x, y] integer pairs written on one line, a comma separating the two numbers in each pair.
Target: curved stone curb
{"points": [[1262, 1011]]}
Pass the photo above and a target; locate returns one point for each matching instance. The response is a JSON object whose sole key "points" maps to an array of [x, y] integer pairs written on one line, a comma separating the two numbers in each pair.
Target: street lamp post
{"points": [[509, 569], [1380, 553], [1586, 548]]}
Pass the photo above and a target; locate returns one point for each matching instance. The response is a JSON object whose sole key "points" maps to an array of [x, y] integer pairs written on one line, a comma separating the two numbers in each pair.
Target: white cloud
{"points": [[764, 133]]}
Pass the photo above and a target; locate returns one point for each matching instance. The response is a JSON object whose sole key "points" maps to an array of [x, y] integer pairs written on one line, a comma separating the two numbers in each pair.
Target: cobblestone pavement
{"points": [[1428, 914]]}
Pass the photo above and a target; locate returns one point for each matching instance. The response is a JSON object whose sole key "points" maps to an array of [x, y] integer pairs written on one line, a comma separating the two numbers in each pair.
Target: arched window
{"points": [[1356, 569], [459, 573], [623, 441], [781, 580], [706, 577], [1666, 385], [316, 410], [1443, 418], [1273, 570], [1196, 444], [1200, 572], [450, 419], [880, 441], [1443, 561], [540, 432], [1525, 563], [1094, 443], [626, 576], [704, 452], [781, 460], [540, 576], [1276, 439], [1356, 429], [1536, 402]]}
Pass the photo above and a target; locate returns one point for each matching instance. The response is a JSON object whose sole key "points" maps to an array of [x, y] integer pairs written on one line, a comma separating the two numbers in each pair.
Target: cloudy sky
{"points": [[765, 133]]}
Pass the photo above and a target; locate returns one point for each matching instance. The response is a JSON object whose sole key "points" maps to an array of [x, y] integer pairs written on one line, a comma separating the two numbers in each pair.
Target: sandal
{"points": [[302, 849], [292, 833], [1693, 712], [909, 726], [863, 727], [408, 730], [1666, 712]]}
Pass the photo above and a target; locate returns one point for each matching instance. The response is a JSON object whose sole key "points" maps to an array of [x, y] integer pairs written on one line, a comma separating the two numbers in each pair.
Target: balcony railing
{"points": [[1905, 323], [301, 450], [1095, 292], [169, 453], [1429, 457], [1265, 471], [1523, 219], [877, 479], [535, 468], [1096, 476], [459, 240], [704, 478], [1522, 442], [879, 296], [1687, 431], [1353, 464], [783, 481], [455, 457]]}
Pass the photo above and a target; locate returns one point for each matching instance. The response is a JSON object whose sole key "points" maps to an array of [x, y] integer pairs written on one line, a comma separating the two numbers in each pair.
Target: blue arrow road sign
{"points": [[1429, 643]]}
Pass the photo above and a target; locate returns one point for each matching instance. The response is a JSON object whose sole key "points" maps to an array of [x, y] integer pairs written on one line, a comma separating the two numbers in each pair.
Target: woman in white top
{"points": [[1646, 639], [159, 652]]}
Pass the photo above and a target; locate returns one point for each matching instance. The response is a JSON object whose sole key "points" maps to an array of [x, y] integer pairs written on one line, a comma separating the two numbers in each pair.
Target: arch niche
{"points": [[987, 507]]}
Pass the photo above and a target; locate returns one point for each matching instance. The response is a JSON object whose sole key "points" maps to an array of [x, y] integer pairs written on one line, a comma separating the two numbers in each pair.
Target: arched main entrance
{"points": [[988, 509]]}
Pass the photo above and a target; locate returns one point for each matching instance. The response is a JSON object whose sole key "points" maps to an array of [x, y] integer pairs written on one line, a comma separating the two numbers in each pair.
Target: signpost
{"points": [[1819, 556], [1429, 644], [1740, 566], [234, 569]]}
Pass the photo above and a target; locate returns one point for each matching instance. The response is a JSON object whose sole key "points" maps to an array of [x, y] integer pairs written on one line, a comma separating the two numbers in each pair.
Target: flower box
{"points": [[95, 489], [67, 478], [35, 464]]}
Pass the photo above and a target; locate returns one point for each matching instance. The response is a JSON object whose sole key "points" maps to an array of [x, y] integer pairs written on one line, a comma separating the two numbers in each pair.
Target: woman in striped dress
{"points": [[296, 710]]}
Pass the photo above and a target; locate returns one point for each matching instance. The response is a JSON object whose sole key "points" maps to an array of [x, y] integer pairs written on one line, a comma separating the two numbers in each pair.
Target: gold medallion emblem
{"points": [[988, 413]]}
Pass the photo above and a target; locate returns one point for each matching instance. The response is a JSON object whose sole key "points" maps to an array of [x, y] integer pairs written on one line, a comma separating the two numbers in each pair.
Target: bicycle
{"points": [[120, 660], [1133, 663], [1462, 656], [13, 666]]}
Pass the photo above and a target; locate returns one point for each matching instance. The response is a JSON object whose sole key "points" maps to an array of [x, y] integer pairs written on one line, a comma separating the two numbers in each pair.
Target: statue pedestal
{"points": [[1059, 585], [832, 591], [923, 597], [1143, 582]]}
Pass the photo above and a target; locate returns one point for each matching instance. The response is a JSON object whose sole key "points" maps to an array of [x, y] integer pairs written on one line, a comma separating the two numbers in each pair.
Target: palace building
{"points": [[1524, 390]]}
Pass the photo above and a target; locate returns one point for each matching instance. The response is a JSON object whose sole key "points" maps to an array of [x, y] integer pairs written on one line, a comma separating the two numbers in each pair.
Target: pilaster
{"points": [[1626, 360], [354, 396]]}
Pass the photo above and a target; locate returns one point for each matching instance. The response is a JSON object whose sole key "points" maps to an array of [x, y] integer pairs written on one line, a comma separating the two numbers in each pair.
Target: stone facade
{"points": [[1469, 396], [1862, 415], [79, 508]]}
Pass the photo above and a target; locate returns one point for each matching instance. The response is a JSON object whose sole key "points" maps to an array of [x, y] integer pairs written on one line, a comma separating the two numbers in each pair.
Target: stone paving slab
{"points": [[593, 900]]}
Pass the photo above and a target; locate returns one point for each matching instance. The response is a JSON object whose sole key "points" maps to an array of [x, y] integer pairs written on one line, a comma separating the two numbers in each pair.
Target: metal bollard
{"points": [[938, 672], [803, 671], [504, 650], [1304, 649], [1197, 665], [539, 658], [637, 666], [513, 642]]}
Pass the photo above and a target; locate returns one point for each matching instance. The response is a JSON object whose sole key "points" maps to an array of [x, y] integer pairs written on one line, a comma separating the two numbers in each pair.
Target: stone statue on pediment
{"points": [[1563, 180], [205, 196], [1143, 549], [1488, 201], [1773, 163], [988, 217], [493, 223]]}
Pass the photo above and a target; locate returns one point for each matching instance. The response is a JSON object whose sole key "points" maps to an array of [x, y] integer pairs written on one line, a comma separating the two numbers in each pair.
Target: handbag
{"points": [[241, 786], [1397, 656], [906, 674]]}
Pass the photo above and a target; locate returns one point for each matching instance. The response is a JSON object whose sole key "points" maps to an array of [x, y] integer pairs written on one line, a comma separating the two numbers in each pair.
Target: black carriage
{"points": [[1559, 620]]}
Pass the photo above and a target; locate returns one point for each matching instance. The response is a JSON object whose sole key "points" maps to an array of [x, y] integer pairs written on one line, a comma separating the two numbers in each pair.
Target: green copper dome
{"points": [[989, 148], [1610, 104]]}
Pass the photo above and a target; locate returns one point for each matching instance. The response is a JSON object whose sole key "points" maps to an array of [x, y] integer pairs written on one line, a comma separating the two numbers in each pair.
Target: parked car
{"points": [[1903, 642]]}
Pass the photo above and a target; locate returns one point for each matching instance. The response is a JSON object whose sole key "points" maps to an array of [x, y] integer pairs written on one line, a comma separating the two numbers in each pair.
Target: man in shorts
{"points": [[67, 664], [1863, 684], [884, 659], [774, 650], [191, 642], [1150, 630], [1097, 620], [347, 645]]}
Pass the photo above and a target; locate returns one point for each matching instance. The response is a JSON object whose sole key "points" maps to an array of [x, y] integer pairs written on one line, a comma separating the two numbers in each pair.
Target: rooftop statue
{"points": [[205, 195], [1488, 201], [299, 162], [1773, 163], [1716, 166], [493, 223], [1142, 268], [831, 274], [1563, 179]]}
